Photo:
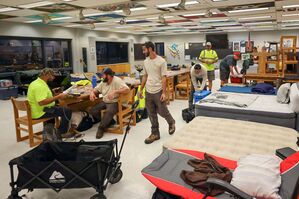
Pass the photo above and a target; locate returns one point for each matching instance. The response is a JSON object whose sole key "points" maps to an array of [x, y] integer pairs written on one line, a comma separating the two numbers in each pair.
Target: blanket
{"points": [[231, 99]]}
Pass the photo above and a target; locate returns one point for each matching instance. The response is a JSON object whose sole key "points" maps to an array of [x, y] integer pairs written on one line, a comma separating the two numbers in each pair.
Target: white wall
{"points": [[258, 37], [80, 38]]}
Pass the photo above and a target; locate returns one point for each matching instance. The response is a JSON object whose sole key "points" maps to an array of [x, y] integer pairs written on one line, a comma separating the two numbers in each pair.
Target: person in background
{"points": [[255, 57], [42, 102], [83, 65], [154, 79], [111, 88], [208, 57], [199, 76], [226, 67]]}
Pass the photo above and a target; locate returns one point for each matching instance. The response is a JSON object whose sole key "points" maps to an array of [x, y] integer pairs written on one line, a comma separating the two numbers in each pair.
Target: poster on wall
{"points": [[236, 46], [242, 46], [249, 46], [174, 51]]}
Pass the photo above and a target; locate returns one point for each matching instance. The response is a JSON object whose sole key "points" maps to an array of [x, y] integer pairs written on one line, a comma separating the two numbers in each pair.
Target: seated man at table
{"points": [[199, 77], [111, 87], [42, 102]]}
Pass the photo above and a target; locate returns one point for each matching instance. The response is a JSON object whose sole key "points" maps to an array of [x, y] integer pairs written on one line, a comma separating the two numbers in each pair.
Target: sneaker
{"points": [[100, 133], [151, 139], [171, 129]]}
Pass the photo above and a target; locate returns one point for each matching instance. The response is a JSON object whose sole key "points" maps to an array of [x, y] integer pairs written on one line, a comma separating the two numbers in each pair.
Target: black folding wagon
{"points": [[68, 165]]}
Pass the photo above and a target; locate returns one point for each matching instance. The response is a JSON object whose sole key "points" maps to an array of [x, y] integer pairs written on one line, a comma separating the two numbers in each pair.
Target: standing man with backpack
{"points": [[208, 57], [155, 68]]}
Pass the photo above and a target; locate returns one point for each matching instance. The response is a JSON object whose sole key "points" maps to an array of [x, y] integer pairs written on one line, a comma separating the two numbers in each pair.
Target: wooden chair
{"points": [[183, 88], [169, 89], [125, 102], [23, 106]]}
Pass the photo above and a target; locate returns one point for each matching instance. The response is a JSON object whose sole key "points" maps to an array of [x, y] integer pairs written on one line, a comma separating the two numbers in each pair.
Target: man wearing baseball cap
{"points": [[208, 57], [111, 88], [227, 65]]}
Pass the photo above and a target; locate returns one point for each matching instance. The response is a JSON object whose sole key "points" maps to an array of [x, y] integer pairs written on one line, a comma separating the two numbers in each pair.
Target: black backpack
{"points": [[86, 123], [188, 115]]}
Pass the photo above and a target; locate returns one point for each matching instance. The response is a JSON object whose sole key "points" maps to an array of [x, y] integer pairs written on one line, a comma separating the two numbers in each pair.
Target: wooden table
{"points": [[172, 73]]}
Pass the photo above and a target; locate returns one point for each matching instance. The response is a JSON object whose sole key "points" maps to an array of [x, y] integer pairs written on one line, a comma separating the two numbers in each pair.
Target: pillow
{"points": [[283, 93], [258, 176], [294, 97]]}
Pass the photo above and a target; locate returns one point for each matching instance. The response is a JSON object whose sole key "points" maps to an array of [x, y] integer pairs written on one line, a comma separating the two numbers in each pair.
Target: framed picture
{"points": [[288, 41], [249, 46], [236, 46]]}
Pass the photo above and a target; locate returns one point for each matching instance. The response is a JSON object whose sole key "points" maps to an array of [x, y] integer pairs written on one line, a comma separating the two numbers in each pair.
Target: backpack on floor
{"points": [[188, 115], [159, 194], [86, 123]]}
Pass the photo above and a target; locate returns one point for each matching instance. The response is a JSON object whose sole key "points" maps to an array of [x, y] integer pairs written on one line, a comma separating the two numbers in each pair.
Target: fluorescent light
{"points": [[8, 9], [260, 17], [248, 10], [290, 15], [60, 18], [262, 27], [225, 24], [291, 24], [213, 20], [218, 0], [176, 4], [195, 14], [291, 20], [68, 0], [132, 9], [231, 28], [74, 25], [120, 27], [257, 23], [291, 6], [37, 4], [34, 21], [156, 18]]}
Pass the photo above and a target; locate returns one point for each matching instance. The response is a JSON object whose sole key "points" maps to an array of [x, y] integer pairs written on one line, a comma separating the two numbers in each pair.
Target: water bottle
{"points": [[94, 81]]}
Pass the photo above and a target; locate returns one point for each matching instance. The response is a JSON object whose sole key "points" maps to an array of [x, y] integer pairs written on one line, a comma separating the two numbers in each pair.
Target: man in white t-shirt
{"points": [[199, 76], [154, 79], [111, 87]]}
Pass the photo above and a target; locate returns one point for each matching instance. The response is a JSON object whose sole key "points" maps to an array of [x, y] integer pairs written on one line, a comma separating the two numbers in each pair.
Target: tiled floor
{"points": [[136, 155]]}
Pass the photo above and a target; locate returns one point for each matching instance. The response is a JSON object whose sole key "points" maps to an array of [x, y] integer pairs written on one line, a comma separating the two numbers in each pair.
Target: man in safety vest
{"points": [[208, 57]]}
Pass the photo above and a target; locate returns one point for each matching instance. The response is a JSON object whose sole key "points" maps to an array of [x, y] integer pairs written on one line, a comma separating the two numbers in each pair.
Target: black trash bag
{"points": [[188, 114], [159, 194], [86, 123]]}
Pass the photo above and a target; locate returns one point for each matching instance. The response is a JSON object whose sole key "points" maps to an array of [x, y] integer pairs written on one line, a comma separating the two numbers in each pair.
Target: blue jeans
{"points": [[64, 113]]}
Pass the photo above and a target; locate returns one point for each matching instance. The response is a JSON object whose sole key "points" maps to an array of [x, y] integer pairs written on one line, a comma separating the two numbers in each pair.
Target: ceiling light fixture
{"points": [[259, 17], [126, 9], [73, 25], [60, 18], [46, 19], [182, 5], [132, 9], [291, 6], [176, 4], [194, 15], [291, 20], [81, 15], [291, 24], [214, 20], [8, 9], [258, 23], [37, 4], [291, 15], [34, 21], [248, 10], [92, 26]]}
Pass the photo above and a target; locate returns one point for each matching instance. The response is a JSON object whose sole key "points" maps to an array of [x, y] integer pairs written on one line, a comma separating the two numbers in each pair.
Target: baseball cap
{"points": [[237, 54], [208, 44], [108, 71]]}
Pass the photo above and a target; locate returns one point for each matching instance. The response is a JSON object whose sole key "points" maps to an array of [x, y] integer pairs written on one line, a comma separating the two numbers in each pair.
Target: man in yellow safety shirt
{"points": [[208, 57]]}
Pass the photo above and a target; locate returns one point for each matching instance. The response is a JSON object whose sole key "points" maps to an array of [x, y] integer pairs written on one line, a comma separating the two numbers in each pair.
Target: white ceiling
{"points": [[197, 16]]}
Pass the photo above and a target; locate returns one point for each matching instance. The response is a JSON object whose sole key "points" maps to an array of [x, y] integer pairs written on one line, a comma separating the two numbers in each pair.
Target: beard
{"points": [[146, 54], [105, 80]]}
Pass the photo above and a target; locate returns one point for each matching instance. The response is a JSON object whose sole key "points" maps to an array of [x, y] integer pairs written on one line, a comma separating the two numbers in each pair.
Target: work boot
{"points": [[171, 129], [100, 133], [151, 139]]}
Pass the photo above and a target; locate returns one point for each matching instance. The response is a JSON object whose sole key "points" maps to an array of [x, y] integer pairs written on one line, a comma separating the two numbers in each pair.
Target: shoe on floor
{"points": [[171, 129], [151, 139], [100, 133]]}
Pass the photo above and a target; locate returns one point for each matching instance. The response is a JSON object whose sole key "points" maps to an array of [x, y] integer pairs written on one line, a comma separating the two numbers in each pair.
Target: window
{"points": [[18, 53], [138, 54], [57, 54], [160, 49], [111, 52]]}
